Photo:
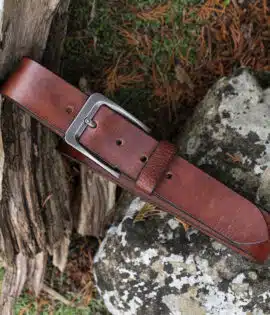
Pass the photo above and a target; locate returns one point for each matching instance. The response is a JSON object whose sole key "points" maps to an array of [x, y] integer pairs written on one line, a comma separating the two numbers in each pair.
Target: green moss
{"points": [[29, 304]]}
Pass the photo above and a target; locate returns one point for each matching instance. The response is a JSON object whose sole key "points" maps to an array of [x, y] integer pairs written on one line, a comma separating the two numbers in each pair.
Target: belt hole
{"points": [[119, 142], [70, 109], [143, 158], [169, 175]]}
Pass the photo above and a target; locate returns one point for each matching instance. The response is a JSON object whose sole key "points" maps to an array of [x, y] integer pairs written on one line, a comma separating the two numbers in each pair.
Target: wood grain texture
{"points": [[23, 269], [35, 209], [35, 217], [97, 201], [26, 25]]}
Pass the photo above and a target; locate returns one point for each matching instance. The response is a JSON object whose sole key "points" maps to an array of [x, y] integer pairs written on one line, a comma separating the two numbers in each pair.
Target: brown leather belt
{"points": [[102, 135]]}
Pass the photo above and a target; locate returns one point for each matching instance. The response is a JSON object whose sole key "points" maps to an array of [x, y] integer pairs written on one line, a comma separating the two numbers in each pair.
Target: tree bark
{"points": [[36, 212]]}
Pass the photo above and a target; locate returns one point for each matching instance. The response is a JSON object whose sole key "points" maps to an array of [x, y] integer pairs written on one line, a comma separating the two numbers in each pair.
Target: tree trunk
{"points": [[36, 212]]}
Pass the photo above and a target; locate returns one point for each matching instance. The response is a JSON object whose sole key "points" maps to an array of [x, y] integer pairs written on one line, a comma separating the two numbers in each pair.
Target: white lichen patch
{"points": [[265, 296], [135, 206], [193, 145], [108, 297], [180, 305], [173, 224], [242, 106], [123, 238], [173, 259], [239, 279], [252, 275], [131, 274], [235, 110], [218, 246], [218, 302], [190, 232], [101, 255], [248, 111], [146, 257]]}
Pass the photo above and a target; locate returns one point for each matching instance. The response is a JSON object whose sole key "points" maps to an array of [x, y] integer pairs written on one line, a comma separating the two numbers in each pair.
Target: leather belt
{"points": [[104, 136]]}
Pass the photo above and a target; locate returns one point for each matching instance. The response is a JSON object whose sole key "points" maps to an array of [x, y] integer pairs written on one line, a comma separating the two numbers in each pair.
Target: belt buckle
{"points": [[85, 118]]}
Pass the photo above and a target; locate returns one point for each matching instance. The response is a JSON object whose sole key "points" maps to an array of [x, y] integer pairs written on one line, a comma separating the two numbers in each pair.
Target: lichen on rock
{"points": [[150, 268], [229, 135]]}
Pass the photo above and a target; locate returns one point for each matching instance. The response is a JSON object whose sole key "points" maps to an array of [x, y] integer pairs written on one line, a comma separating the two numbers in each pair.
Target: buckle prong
{"points": [[85, 118], [90, 123]]}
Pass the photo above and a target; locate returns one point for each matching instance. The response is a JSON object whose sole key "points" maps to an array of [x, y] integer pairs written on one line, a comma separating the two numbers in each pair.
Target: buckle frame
{"points": [[85, 118]]}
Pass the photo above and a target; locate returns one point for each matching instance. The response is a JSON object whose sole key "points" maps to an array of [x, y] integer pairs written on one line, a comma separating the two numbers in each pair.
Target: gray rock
{"points": [[155, 267], [229, 136], [150, 268]]}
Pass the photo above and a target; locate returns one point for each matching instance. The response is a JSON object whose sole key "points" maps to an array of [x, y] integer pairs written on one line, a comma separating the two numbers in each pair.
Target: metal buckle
{"points": [[86, 118]]}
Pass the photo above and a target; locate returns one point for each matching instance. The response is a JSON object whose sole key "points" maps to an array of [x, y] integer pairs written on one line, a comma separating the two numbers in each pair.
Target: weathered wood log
{"points": [[23, 269], [34, 207], [36, 213], [31, 198]]}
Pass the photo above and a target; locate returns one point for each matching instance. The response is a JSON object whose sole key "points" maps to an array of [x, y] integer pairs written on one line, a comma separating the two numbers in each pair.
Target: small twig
{"points": [[93, 13], [55, 295], [82, 291], [235, 158]]}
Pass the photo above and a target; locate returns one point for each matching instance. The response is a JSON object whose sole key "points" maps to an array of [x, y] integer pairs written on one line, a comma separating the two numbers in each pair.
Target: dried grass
{"points": [[147, 211], [79, 270], [226, 37], [234, 36], [142, 42], [155, 14], [116, 80], [131, 38]]}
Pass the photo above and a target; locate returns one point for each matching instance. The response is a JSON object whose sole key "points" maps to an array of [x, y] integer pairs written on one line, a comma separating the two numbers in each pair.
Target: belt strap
{"points": [[124, 152]]}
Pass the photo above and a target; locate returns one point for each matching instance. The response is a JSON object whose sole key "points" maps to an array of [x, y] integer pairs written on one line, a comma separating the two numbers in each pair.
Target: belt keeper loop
{"points": [[156, 166]]}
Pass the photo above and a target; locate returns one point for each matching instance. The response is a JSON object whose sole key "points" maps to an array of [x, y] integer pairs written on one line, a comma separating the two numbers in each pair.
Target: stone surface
{"points": [[150, 268], [229, 135], [154, 267]]}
